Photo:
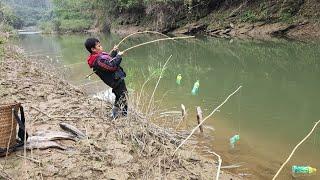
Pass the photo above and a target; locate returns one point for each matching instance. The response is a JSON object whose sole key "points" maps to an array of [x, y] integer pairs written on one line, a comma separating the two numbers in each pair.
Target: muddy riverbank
{"points": [[244, 19]]}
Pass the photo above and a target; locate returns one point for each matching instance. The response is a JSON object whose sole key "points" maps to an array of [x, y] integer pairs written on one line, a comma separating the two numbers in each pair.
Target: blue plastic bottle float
{"points": [[179, 77], [234, 139], [303, 170], [195, 89]]}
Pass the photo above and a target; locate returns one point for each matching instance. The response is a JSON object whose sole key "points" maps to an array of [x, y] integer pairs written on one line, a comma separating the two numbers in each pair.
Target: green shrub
{"points": [[74, 25], [248, 16], [5, 28], [46, 27], [286, 17], [2, 41]]}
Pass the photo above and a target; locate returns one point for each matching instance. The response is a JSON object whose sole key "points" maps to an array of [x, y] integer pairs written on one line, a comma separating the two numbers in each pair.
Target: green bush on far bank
{"points": [[65, 25], [2, 41], [248, 16], [6, 28], [74, 25], [46, 27]]}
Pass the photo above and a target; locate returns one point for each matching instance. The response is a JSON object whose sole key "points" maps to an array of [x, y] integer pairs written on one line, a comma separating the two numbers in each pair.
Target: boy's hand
{"points": [[115, 48], [121, 53]]}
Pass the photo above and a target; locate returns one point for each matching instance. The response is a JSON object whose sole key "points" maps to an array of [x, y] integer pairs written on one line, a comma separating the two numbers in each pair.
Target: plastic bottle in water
{"points": [[179, 77], [234, 139], [303, 170], [195, 89]]}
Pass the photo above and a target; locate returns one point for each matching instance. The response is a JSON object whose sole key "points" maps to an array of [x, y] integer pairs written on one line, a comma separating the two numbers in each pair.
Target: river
{"points": [[276, 107]]}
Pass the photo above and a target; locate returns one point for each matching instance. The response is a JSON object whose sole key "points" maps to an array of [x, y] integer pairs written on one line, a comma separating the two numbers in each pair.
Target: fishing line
{"points": [[239, 111]]}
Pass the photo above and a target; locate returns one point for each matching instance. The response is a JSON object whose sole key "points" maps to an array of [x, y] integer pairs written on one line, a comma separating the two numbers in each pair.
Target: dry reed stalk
{"points": [[73, 64], [141, 90], [86, 84], [194, 129], [163, 96], [31, 159], [294, 149], [155, 88], [42, 112], [220, 162], [8, 146], [25, 149], [4, 175]]}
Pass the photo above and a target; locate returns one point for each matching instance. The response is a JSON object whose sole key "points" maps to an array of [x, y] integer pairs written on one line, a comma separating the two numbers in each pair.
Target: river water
{"points": [[276, 107]]}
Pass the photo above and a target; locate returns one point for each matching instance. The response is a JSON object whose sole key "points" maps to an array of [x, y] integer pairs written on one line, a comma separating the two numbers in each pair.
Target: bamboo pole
{"points": [[143, 32], [149, 42], [157, 40], [194, 129], [294, 149], [152, 32]]}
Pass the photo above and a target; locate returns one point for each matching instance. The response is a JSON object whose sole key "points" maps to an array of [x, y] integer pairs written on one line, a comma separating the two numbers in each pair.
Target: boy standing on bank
{"points": [[107, 67]]}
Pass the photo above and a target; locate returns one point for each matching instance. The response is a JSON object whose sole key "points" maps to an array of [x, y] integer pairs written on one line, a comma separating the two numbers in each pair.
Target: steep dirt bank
{"points": [[128, 148], [262, 18]]}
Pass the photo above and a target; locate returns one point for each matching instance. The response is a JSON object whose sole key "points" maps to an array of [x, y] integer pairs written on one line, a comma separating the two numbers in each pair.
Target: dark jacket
{"points": [[107, 67]]}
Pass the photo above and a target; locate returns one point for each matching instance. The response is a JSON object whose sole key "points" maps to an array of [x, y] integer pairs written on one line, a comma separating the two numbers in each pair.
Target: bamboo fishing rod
{"points": [[158, 40], [143, 32], [149, 42]]}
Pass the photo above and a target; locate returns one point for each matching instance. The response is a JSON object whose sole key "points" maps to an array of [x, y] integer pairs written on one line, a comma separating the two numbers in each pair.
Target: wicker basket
{"points": [[8, 125]]}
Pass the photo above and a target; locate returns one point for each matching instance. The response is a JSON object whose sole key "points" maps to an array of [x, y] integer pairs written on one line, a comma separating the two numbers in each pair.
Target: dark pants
{"points": [[121, 92]]}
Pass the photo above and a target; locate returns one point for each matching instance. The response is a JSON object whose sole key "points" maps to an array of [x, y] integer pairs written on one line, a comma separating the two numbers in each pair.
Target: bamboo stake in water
{"points": [[199, 118], [183, 111], [194, 129], [294, 149], [183, 115]]}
